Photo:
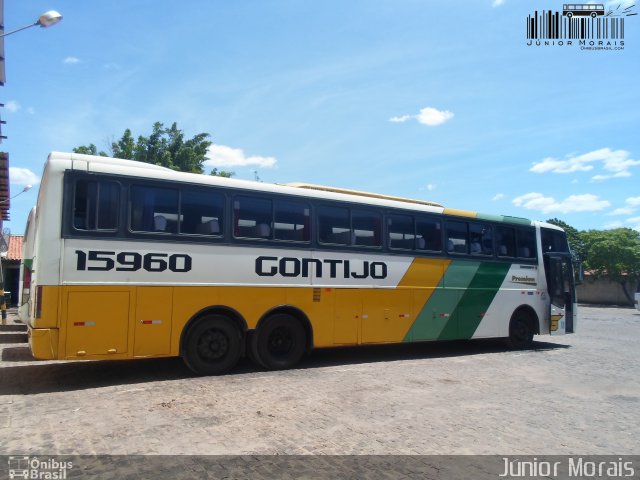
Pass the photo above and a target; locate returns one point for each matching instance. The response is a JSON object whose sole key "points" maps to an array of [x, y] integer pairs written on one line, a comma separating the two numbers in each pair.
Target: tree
{"points": [[614, 254], [90, 149], [221, 173], [164, 146], [125, 147]]}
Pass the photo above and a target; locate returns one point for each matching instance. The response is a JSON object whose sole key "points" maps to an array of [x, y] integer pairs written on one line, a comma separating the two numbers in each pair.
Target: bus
{"points": [[133, 260], [583, 10], [26, 264]]}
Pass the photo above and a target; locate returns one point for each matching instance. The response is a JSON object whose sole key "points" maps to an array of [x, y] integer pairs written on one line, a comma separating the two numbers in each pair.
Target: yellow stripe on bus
{"points": [[120, 321], [422, 277], [460, 213]]}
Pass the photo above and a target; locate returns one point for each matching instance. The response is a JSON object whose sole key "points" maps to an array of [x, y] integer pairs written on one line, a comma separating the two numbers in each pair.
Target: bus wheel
{"points": [[520, 331], [213, 345], [279, 343]]}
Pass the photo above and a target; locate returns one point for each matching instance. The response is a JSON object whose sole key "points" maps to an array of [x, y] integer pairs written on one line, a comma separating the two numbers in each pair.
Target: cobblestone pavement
{"points": [[575, 394]]}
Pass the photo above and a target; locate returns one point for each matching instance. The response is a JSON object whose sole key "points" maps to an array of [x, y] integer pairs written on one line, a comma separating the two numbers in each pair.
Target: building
{"points": [[11, 268]]}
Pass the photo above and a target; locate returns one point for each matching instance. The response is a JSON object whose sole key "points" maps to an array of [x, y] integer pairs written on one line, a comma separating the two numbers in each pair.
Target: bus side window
{"points": [[481, 238], [291, 221], [367, 228], [505, 241], [401, 232], [201, 213], [428, 234], [526, 243], [333, 226], [96, 205], [252, 217], [153, 209], [457, 237]]}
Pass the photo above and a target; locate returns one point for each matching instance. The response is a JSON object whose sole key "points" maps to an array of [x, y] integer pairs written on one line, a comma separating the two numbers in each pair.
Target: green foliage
{"points": [[164, 146], [167, 147], [221, 173], [90, 149], [125, 147], [612, 254]]}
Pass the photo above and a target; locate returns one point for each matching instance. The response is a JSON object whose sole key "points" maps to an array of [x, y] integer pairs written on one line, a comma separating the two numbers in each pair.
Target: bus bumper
{"points": [[43, 343]]}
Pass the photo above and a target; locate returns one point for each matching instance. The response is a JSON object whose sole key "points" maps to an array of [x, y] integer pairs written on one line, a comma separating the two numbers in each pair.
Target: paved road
{"points": [[577, 394]]}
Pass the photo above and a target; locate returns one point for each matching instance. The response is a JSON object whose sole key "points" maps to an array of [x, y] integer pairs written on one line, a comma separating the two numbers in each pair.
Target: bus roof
{"points": [[325, 188]]}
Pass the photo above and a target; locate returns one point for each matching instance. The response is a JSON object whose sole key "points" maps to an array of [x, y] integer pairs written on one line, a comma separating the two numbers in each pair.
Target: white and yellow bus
{"points": [[133, 260], [26, 265]]}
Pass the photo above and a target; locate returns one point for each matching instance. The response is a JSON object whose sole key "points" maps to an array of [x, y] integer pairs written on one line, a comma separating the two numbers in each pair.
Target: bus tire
{"points": [[520, 331], [213, 345], [279, 343]]}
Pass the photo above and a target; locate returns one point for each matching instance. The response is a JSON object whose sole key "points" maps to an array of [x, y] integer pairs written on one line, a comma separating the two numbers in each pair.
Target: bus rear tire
{"points": [[279, 343], [213, 345], [520, 331]]}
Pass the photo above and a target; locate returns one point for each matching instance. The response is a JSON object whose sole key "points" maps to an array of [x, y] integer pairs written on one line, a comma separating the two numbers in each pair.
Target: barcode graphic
{"points": [[554, 25]]}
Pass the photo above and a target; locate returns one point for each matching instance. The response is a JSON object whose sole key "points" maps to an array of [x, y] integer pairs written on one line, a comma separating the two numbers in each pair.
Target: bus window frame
{"points": [[69, 185], [226, 237]]}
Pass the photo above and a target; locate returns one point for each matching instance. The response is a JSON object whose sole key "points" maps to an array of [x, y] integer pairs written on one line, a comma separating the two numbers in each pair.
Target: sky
{"points": [[435, 100]]}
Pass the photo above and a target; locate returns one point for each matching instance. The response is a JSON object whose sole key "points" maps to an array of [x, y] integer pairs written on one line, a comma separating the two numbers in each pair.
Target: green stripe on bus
{"points": [[492, 218], [438, 311], [504, 219], [475, 301]]}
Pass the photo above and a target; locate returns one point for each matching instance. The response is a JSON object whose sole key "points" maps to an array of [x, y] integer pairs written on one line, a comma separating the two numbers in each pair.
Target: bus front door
{"points": [[560, 283]]}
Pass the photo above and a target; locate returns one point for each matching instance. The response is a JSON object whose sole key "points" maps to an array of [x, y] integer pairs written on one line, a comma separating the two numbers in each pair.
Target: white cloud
{"points": [[497, 3], [431, 187], [401, 119], [12, 106], [623, 211], [498, 196], [632, 204], [22, 176], [554, 165], [600, 177], [432, 116], [223, 156], [428, 116], [612, 225], [616, 162], [573, 203], [71, 60], [633, 220]]}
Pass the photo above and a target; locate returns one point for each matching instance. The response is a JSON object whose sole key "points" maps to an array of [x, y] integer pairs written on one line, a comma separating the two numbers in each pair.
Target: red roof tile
{"points": [[15, 247]]}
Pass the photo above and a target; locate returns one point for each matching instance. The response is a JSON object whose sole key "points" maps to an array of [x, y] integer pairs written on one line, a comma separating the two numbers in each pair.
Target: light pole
{"points": [[25, 189], [47, 19]]}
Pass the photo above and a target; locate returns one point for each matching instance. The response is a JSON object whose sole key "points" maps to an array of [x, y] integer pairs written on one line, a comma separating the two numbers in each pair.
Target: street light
{"points": [[25, 189], [47, 19]]}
